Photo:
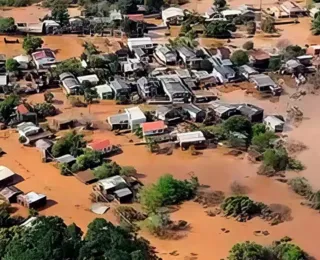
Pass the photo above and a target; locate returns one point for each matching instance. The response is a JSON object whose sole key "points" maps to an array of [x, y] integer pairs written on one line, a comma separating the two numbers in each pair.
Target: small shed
{"points": [[43, 144], [195, 138], [32, 200], [10, 193], [274, 123], [86, 177], [6, 176], [123, 195]]}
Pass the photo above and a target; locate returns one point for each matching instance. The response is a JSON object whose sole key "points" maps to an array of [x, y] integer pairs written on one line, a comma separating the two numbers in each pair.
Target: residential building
{"points": [[104, 91], [111, 184], [23, 60], [104, 146], [292, 9], [166, 55], [32, 200], [223, 73], [135, 117], [170, 113], [47, 26], [229, 14], [189, 57], [259, 58], [86, 177], [23, 114], [223, 110], [196, 114], [144, 43], [274, 123], [93, 79], [174, 89], [204, 79], [172, 16], [27, 129], [264, 83], [191, 138], [118, 122], [6, 176], [131, 65], [148, 88], [123, 195], [67, 158], [252, 112], [313, 50], [3, 71], [141, 55], [153, 128], [120, 87], [69, 83], [10, 193], [247, 71], [43, 58]]}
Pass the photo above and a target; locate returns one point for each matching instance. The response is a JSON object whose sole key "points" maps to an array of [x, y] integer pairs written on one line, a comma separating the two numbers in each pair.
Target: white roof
{"points": [[103, 88], [22, 58], [230, 12], [111, 182], [3, 80], [5, 173], [92, 78], [273, 120], [135, 42], [135, 113], [171, 12], [28, 223], [27, 126], [190, 137], [33, 196]]}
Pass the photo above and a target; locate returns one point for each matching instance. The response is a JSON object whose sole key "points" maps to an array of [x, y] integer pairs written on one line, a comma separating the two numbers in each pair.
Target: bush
{"points": [[31, 43], [251, 27], [300, 186], [214, 131], [263, 141], [239, 58], [45, 109], [7, 25], [128, 170], [241, 206], [72, 65], [274, 64], [107, 170], [219, 3], [219, 29], [89, 159], [48, 96], [258, 129], [157, 223], [248, 45], [294, 164], [64, 169], [267, 25], [249, 251], [33, 212], [287, 251], [12, 65]]}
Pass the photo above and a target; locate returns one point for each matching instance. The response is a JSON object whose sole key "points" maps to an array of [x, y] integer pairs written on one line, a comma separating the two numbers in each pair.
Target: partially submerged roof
{"points": [[262, 80], [22, 109], [118, 119], [249, 110], [27, 126], [220, 107], [86, 177], [91, 78], [99, 208], [259, 54], [9, 192], [187, 52], [190, 137], [273, 120], [248, 69], [135, 113], [191, 108], [153, 126], [171, 12], [123, 192], [172, 83], [99, 145], [32, 197], [22, 58], [119, 84], [290, 6], [139, 42], [230, 12], [183, 73], [43, 54], [67, 158], [43, 144], [112, 182], [103, 88]]}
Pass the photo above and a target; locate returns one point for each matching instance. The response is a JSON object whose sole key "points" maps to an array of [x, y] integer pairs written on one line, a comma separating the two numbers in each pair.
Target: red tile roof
{"points": [[151, 126], [22, 109], [99, 145], [45, 53]]}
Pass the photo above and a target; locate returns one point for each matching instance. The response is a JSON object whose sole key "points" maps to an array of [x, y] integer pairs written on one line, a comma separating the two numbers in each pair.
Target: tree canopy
{"points": [[7, 108], [127, 6], [31, 43], [315, 28], [239, 57], [219, 29], [238, 124], [72, 65], [12, 65], [72, 143], [60, 13], [7, 25], [107, 170], [220, 3]]}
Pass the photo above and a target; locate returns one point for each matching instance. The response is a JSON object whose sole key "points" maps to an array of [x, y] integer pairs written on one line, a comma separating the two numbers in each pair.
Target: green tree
{"points": [[72, 65], [293, 51], [12, 65], [60, 13], [127, 6], [239, 58], [219, 29], [128, 170], [248, 45], [288, 251], [219, 3], [45, 109], [154, 6], [249, 251], [89, 159], [6, 236], [31, 43], [7, 107], [274, 64], [263, 141], [238, 124], [7, 25], [151, 198], [48, 96], [71, 143], [107, 170], [276, 159], [189, 40], [258, 129], [315, 28]]}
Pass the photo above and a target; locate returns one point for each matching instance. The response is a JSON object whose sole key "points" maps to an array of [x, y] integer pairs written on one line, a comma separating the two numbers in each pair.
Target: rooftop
{"points": [[135, 113], [190, 137], [86, 177], [112, 182], [22, 109], [43, 54], [33, 196], [123, 192], [259, 54], [99, 145], [5, 173], [118, 119], [153, 126], [92, 78], [262, 80], [67, 158]]}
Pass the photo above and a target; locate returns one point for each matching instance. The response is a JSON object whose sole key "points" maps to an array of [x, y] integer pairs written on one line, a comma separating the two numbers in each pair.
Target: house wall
{"points": [[154, 132], [136, 122]]}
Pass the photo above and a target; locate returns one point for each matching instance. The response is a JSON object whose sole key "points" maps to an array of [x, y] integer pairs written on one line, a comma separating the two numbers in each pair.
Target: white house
{"points": [[93, 79], [23, 61], [190, 138], [230, 14], [166, 55], [144, 43], [104, 91], [27, 128], [274, 123], [135, 116]]}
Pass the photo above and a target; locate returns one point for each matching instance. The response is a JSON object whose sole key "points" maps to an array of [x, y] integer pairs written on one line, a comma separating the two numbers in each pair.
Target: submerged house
{"points": [[120, 87], [174, 89], [259, 58], [191, 138], [196, 114], [153, 128], [264, 83], [104, 91], [252, 112], [274, 123], [32, 200], [144, 43], [172, 16], [69, 83], [43, 58], [104, 146], [223, 110], [10, 193], [292, 9], [6, 176], [45, 27], [148, 88], [189, 57], [166, 55]]}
